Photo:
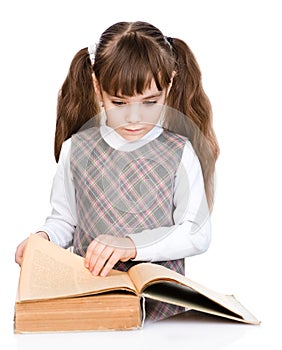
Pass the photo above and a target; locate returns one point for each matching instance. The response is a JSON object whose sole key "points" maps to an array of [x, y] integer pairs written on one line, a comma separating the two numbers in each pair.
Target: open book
{"points": [[57, 293]]}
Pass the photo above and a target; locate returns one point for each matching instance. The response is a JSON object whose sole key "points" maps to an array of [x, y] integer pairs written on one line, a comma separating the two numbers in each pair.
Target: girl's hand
{"points": [[21, 247], [105, 251]]}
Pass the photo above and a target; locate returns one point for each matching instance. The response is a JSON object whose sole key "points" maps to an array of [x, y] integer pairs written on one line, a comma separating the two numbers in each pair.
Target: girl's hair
{"points": [[128, 56]]}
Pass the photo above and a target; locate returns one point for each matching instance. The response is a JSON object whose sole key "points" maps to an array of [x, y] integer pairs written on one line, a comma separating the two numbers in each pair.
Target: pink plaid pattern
{"points": [[121, 192]]}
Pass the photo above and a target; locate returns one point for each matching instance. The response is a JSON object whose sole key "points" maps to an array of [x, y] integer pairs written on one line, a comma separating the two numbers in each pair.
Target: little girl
{"points": [[136, 154]]}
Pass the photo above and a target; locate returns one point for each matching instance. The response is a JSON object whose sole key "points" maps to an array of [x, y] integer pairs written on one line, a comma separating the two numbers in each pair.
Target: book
{"points": [[57, 293]]}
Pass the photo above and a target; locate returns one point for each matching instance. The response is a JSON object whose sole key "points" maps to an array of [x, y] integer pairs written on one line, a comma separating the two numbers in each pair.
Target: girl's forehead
{"points": [[150, 89]]}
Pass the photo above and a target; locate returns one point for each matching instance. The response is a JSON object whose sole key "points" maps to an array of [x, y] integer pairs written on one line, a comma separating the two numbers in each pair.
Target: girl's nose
{"points": [[133, 113]]}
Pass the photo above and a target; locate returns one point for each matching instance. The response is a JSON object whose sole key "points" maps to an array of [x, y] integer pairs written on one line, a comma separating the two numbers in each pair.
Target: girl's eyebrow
{"points": [[152, 96]]}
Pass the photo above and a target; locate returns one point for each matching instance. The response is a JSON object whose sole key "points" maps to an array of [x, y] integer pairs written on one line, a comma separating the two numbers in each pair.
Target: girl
{"points": [[136, 153]]}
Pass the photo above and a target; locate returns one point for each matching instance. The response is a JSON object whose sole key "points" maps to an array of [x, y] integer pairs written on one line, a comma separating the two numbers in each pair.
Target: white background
{"points": [[238, 46]]}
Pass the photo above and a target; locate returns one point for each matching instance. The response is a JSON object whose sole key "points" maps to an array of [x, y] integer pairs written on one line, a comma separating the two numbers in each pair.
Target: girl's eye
{"points": [[118, 103], [149, 102], [122, 103]]}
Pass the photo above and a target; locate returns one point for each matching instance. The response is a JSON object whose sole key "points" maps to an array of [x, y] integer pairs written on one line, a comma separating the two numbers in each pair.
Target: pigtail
{"points": [[188, 97], [77, 102]]}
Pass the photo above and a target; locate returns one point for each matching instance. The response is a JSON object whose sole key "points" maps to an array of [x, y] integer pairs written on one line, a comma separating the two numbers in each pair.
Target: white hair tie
{"points": [[91, 51]]}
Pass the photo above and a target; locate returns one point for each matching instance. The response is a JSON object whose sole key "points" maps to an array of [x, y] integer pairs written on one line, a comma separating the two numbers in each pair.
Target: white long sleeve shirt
{"points": [[191, 232]]}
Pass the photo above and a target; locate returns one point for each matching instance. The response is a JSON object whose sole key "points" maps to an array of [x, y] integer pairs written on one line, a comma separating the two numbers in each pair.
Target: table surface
{"points": [[191, 330]]}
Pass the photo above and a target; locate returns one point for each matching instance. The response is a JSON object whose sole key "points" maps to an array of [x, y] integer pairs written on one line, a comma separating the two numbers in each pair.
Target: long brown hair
{"points": [[128, 56]]}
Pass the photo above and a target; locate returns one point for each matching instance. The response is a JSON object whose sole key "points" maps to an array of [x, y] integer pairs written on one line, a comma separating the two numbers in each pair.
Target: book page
{"points": [[177, 294], [49, 271], [147, 274]]}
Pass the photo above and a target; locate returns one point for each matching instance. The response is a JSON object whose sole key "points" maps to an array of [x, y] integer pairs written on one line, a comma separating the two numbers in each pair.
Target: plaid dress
{"points": [[121, 193]]}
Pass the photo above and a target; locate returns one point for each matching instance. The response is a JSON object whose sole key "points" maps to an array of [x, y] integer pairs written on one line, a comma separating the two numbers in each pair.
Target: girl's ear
{"points": [[97, 87]]}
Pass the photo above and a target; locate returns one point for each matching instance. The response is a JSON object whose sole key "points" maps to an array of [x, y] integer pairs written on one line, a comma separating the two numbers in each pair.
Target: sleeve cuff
{"points": [[54, 238], [144, 252]]}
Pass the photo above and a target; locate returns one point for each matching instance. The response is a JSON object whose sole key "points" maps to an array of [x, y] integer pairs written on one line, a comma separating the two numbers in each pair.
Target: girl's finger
{"points": [[93, 251], [20, 252], [101, 260], [115, 257]]}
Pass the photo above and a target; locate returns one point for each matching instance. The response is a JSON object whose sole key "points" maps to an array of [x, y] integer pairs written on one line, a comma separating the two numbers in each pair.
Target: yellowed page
{"points": [[49, 271], [146, 274]]}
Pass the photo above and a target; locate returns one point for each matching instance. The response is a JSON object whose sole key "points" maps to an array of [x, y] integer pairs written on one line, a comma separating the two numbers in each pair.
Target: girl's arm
{"points": [[61, 223], [191, 233]]}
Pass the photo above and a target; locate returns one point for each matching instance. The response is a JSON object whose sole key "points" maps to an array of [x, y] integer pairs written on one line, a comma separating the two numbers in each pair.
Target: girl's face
{"points": [[133, 117]]}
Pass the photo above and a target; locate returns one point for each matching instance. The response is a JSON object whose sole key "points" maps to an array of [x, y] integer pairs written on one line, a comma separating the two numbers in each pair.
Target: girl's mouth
{"points": [[133, 130]]}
